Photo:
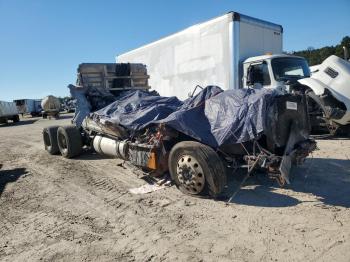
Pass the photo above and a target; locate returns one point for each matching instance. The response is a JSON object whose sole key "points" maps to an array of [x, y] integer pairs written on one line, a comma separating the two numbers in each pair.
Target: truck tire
{"points": [[50, 140], [69, 141], [15, 119], [197, 169]]}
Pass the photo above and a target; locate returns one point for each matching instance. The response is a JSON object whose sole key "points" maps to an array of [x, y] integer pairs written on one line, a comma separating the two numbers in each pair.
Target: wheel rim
{"points": [[190, 174], [62, 142]]}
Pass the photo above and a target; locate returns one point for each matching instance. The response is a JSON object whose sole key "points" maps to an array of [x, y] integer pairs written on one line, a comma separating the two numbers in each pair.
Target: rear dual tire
{"points": [[69, 141], [66, 140], [50, 140]]}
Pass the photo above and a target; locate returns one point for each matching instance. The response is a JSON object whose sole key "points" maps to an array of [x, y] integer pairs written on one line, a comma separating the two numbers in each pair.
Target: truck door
{"points": [[258, 75]]}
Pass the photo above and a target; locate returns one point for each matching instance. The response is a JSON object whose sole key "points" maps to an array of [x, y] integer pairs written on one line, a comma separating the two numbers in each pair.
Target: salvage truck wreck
{"points": [[198, 141]]}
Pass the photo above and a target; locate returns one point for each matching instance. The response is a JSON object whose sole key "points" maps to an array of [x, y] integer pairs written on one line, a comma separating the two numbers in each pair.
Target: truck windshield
{"points": [[289, 68]]}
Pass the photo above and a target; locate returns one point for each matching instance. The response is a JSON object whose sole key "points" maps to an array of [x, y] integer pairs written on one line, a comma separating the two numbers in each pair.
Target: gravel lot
{"points": [[56, 209]]}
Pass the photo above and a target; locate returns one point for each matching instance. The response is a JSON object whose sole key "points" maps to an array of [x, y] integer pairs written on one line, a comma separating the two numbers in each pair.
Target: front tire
{"points": [[69, 141], [197, 169]]}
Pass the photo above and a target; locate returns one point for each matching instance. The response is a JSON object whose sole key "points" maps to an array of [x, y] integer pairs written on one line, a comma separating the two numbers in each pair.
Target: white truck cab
{"points": [[274, 71], [328, 86]]}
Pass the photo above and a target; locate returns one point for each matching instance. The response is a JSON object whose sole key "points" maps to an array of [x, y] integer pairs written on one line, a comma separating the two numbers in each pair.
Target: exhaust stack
{"points": [[346, 53]]}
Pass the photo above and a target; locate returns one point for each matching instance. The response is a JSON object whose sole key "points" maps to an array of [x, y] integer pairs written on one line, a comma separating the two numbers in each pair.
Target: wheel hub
{"points": [[190, 174], [63, 141]]}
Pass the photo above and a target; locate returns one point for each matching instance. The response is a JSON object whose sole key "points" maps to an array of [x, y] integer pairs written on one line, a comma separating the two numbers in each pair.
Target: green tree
{"points": [[316, 56]]}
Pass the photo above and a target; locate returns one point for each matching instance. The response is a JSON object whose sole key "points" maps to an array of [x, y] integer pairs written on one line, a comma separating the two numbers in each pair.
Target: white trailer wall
{"points": [[210, 53], [199, 55]]}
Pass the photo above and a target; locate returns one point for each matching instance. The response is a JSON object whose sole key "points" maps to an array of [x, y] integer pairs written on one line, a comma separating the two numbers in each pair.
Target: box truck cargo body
{"points": [[210, 53], [28, 106], [8, 111]]}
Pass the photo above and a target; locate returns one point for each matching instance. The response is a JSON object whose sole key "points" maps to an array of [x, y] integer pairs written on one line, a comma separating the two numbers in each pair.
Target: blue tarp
{"points": [[230, 117], [135, 110], [213, 117]]}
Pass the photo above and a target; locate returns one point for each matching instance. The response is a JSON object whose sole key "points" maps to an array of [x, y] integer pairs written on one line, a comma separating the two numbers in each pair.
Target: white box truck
{"points": [[211, 53]]}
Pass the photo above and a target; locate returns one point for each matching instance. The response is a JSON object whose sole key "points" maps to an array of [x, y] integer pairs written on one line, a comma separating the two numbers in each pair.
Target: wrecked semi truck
{"points": [[199, 141], [8, 111], [232, 51]]}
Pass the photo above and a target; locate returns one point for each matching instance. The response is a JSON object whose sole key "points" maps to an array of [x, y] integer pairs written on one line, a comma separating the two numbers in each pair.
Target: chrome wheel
{"points": [[62, 142], [190, 174]]}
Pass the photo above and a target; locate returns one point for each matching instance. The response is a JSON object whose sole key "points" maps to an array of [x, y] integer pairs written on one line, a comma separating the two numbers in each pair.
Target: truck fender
{"points": [[315, 85], [319, 89]]}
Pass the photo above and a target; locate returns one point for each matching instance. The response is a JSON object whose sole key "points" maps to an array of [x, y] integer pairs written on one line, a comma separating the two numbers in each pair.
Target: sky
{"points": [[42, 42]]}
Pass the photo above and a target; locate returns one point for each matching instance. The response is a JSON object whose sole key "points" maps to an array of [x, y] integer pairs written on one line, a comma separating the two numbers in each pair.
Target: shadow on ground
{"points": [[327, 179], [20, 123], [61, 117], [330, 137], [89, 154], [9, 176], [65, 116]]}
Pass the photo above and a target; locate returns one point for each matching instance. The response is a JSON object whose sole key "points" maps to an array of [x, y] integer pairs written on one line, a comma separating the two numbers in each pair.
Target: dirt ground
{"points": [[80, 209]]}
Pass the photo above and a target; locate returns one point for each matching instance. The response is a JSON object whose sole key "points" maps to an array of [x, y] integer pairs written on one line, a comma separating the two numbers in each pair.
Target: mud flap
{"points": [[287, 159], [286, 166]]}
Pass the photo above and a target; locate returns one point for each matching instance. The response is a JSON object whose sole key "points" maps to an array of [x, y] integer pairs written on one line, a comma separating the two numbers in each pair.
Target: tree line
{"points": [[316, 56]]}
